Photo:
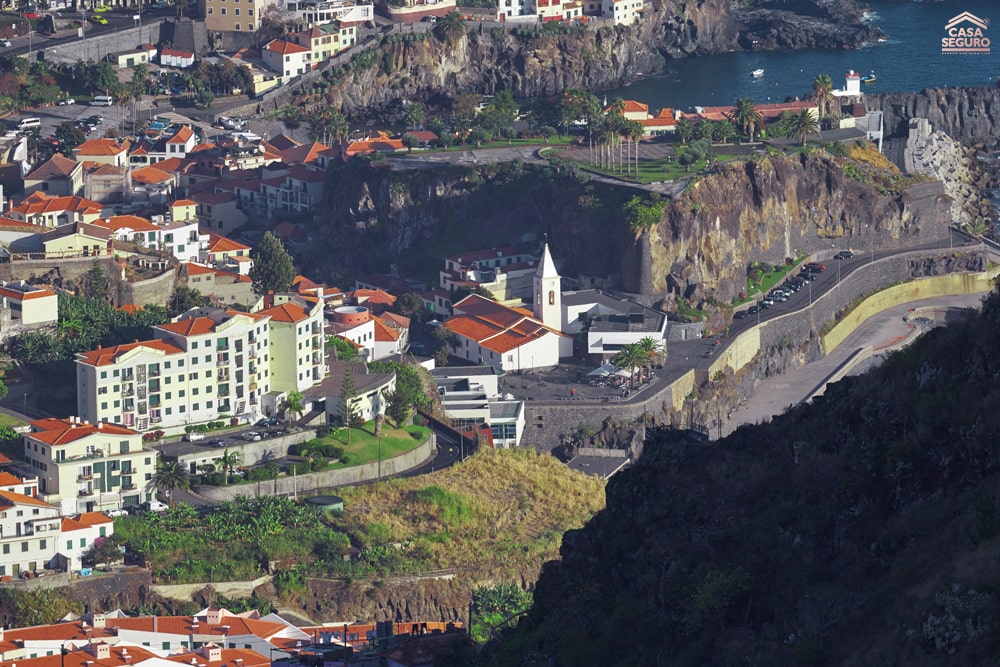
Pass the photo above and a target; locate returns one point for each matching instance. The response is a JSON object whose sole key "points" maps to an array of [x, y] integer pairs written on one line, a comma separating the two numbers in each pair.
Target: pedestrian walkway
{"points": [[881, 332]]}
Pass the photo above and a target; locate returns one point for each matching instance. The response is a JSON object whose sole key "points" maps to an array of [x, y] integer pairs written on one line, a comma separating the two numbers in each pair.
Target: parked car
{"points": [[95, 119], [30, 15], [98, 19], [194, 437], [268, 421], [102, 9], [753, 310], [816, 267], [429, 19], [778, 296], [4, 42], [66, 102], [844, 254], [741, 314], [118, 512], [251, 436], [806, 276], [155, 506]]}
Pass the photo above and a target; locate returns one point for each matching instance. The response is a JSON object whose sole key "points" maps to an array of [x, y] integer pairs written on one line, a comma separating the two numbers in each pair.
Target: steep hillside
{"points": [[861, 530], [376, 217]]}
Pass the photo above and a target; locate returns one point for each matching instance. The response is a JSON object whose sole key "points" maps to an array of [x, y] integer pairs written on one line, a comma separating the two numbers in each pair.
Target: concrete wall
{"points": [[96, 48], [304, 485], [155, 290], [230, 589]]}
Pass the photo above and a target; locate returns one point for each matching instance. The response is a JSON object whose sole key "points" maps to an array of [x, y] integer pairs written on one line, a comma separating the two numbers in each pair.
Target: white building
{"points": [[29, 530], [507, 338], [356, 324], [86, 467], [470, 396], [287, 58], [505, 272], [79, 534], [611, 322], [297, 342], [547, 289]]}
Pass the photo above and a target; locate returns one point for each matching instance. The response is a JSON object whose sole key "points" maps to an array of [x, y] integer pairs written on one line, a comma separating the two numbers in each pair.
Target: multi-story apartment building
{"points": [[213, 362], [298, 358], [86, 467], [29, 529], [233, 15]]}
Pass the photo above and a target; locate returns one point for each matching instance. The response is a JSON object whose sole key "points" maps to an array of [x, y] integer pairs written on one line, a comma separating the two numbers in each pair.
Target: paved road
{"points": [[776, 394]]}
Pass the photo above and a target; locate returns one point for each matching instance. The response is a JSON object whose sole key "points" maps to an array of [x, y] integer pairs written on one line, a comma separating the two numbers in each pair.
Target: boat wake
{"points": [[870, 17]]}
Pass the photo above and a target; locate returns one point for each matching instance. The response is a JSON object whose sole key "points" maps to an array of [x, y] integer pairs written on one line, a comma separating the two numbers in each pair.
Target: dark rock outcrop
{"points": [[970, 115]]}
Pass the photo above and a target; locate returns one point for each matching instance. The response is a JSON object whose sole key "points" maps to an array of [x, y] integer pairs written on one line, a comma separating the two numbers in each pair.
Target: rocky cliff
{"points": [[541, 63], [765, 209], [970, 115]]}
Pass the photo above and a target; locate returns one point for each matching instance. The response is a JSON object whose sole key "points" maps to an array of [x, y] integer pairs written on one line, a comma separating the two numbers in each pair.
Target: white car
{"points": [[118, 512], [66, 102], [156, 506], [4, 42], [194, 437]]}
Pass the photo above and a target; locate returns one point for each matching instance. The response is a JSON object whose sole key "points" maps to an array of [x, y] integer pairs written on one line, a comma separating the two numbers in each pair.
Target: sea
{"points": [[909, 59]]}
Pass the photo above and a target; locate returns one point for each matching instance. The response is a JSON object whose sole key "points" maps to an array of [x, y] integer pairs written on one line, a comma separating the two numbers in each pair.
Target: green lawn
{"points": [[558, 140], [654, 171], [7, 420], [769, 280], [364, 445]]}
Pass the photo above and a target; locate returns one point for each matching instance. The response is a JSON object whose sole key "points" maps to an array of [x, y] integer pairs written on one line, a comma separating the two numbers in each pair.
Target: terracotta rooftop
{"points": [[9, 498], [133, 222], [57, 166], [96, 147], [38, 203], [104, 356], [192, 326], [286, 312], [284, 48], [84, 521], [218, 243]]}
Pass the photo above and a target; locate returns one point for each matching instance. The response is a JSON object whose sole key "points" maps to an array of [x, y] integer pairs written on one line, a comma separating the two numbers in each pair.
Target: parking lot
{"points": [[53, 116]]}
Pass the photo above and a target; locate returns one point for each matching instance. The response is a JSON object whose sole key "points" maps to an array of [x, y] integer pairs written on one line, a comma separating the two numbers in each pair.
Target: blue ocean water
{"points": [[909, 60]]}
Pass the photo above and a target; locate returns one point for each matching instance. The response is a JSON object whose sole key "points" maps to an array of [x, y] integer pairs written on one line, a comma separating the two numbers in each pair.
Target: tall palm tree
{"points": [[293, 404], [725, 131], [615, 114], [450, 28], [652, 349], [636, 132], [822, 93], [685, 130], [171, 476], [227, 462], [746, 116], [803, 124], [630, 357]]}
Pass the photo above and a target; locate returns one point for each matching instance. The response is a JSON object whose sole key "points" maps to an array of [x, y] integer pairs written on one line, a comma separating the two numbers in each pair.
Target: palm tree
{"points": [[171, 476], [636, 132], [227, 462], [652, 348], [822, 93], [803, 124], [450, 28], [615, 115], [630, 357], [685, 130], [293, 404], [746, 116], [725, 131]]}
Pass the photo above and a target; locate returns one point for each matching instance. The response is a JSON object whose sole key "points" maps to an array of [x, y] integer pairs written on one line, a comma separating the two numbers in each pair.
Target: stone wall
{"points": [[70, 268], [156, 290], [305, 485], [98, 47]]}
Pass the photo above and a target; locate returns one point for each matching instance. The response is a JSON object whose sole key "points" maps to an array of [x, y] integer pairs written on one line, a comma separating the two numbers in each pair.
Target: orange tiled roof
{"points": [[230, 626], [133, 222], [385, 333], [7, 479], [218, 243], [286, 312], [151, 174], [40, 293], [303, 154], [57, 166], [104, 356], [130, 308], [494, 326], [61, 431], [192, 326], [37, 203], [183, 202], [94, 147], [84, 521], [11, 498], [181, 136], [284, 48]]}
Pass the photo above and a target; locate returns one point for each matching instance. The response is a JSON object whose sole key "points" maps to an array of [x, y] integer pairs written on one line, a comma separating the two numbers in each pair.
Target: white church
{"points": [[513, 339]]}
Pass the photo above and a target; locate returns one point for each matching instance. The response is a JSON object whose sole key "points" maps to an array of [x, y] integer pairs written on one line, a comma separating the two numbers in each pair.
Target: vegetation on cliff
{"points": [[862, 529], [500, 514]]}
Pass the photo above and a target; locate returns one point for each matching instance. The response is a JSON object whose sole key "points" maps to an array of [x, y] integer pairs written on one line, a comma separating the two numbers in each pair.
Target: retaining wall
{"points": [[305, 485], [156, 290], [97, 48], [230, 589], [546, 425]]}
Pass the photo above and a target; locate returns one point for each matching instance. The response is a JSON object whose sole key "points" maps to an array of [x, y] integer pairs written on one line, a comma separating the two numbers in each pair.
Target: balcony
{"points": [[223, 392], [222, 375], [142, 393], [85, 477], [253, 386], [316, 345], [129, 487], [222, 360], [86, 493], [128, 376], [253, 399], [155, 420], [221, 345]]}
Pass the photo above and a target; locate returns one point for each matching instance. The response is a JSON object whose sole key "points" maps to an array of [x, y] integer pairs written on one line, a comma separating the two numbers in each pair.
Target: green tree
{"points": [[725, 131], [643, 213], [3, 394], [415, 115], [408, 304], [450, 28], [183, 299], [71, 136], [342, 348], [171, 476], [630, 357], [348, 413], [684, 130], [803, 124], [294, 404], [396, 408], [822, 93], [227, 462], [105, 550], [273, 269], [746, 116], [410, 141], [96, 284]]}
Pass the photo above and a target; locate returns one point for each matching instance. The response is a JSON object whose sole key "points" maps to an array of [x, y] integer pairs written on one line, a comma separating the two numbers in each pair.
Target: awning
{"points": [[606, 369]]}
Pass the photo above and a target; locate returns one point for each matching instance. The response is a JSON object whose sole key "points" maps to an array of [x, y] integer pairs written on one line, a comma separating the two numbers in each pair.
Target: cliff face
{"points": [[765, 209], [770, 209], [970, 115], [543, 64]]}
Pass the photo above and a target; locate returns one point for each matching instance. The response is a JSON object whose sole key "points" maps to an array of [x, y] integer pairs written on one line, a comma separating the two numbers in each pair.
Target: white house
{"points": [[470, 396], [29, 529], [80, 533], [611, 322], [287, 58], [176, 58]]}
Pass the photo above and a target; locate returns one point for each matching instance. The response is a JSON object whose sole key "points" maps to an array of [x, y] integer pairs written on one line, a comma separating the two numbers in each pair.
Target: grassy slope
{"points": [[499, 511]]}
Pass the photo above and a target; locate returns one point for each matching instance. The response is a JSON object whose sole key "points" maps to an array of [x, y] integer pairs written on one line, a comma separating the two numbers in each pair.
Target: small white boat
{"points": [[757, 73]]}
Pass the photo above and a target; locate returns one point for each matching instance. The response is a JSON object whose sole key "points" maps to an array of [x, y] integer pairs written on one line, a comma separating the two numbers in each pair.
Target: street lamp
{"points": [[25, 411], [840, 260], [379, 479]]}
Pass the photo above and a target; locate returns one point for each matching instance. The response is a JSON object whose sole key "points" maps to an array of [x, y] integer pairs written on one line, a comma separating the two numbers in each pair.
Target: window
{"points": [[237, 12], [223, 11], [24, 546], [83, 542], [104, 375], [43, 543], [69, 545], [6, 548]]}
